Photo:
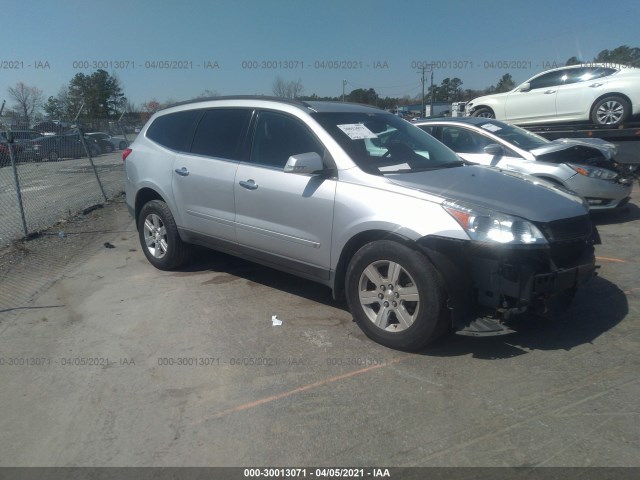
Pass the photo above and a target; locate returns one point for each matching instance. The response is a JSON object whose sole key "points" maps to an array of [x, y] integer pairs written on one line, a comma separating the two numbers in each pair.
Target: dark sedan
{"points": [[56, 147]]}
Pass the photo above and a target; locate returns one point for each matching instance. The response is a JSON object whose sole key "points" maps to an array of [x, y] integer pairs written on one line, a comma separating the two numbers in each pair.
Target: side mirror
{"points": [[304, 163], [525, 87], [493, 149]]}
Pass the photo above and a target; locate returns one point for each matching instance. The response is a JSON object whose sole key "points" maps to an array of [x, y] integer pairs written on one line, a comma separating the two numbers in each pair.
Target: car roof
{"points": [[264, 101], [465, 120]]}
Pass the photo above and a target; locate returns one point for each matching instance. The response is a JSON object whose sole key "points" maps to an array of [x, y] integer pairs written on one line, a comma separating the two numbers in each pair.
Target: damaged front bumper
{"points": [[489, 283]]}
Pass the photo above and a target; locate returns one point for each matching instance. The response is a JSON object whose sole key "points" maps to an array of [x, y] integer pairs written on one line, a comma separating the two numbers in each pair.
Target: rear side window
{"points": [[174, 130], [220, 133]]}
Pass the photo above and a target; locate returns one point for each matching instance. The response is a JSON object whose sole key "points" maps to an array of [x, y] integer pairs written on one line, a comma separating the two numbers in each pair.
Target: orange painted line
{"points": [[295, 391], [609, 259]]}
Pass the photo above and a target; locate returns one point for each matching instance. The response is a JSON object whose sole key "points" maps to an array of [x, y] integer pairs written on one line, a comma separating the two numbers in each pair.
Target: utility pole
{"points": [[422, 112], [422, 80], [432, 91], [344, 83]]}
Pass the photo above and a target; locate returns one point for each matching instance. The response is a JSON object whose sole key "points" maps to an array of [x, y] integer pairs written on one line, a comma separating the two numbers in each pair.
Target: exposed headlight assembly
{"points": [[593, 172], [488, 226]]}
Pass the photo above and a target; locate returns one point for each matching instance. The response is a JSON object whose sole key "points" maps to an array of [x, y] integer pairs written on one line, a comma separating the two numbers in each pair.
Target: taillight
{"points": [[125, 153]]}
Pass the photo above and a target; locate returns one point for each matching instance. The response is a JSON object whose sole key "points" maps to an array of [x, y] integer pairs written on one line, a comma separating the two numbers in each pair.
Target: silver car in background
{"points": [[586, 166]]}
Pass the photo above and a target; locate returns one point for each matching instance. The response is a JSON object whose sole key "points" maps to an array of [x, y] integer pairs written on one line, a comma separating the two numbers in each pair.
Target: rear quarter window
{"points": [[174, 130]]}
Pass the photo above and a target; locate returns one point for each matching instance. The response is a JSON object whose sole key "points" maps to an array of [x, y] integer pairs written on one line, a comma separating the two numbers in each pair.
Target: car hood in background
{"points": [[590, 148], [506, 192]]}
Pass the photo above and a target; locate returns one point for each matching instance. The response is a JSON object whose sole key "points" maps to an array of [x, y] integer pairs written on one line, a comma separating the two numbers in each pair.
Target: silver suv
{"points": [[362, 201]]}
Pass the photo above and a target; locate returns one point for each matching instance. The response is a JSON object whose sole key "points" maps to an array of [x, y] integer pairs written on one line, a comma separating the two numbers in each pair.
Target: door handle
{"points": [[596, 85], [183, 172], [248, 184], [549, 92]]}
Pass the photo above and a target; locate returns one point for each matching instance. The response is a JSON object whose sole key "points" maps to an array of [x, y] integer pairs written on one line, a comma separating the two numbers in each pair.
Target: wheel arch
{"points": [[610, 94], [550, 178], [144, 196], [353, 245]]}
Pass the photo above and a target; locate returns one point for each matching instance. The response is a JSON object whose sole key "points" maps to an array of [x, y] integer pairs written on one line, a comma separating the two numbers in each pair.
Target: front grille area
{"points": [[570, 254], [567, 229]]}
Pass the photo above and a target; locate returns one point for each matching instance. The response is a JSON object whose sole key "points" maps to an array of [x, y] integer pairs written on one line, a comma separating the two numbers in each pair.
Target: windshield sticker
{"points": [[394, 168], [491, 127], [357, 131]]}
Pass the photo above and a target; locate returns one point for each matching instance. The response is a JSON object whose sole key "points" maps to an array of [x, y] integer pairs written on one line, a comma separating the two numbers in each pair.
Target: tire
{"points": [[53, 156], [611, 111], [484, 112], [123, 145], [405, 308], [159, 237]]}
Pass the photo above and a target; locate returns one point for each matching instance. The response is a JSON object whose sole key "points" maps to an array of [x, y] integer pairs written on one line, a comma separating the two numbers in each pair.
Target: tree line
{"points": [[100, 95], [449, 89]]}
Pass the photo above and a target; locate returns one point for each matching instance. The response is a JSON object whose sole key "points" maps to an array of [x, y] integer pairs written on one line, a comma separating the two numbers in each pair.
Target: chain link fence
{"points": [[48, 176]]}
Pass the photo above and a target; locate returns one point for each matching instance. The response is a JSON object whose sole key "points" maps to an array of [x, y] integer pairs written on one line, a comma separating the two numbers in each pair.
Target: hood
{"points": [[507, 192], [476, 101], [589, 148]]}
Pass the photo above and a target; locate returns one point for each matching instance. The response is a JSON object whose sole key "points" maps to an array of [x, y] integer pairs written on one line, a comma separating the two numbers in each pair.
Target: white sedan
{"points": [[600, 93]]}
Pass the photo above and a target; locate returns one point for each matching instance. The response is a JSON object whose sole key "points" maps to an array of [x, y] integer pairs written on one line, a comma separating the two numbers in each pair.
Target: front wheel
{"points": [[483, 112], [396, 296], [611, 111], [159, 237]]}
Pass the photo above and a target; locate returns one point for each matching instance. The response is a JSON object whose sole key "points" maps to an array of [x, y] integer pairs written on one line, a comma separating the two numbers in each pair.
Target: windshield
{"points": [[515, 135], [381, 143]]}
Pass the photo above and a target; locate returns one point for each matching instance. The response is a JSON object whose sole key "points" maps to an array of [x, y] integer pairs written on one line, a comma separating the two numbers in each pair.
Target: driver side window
{"points": [[461, 140], [277, 137], [550, 79]]}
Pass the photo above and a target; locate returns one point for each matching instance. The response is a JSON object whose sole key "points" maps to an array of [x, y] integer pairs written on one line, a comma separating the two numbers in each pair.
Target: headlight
{"points": [[489, 226], [593, 172]]}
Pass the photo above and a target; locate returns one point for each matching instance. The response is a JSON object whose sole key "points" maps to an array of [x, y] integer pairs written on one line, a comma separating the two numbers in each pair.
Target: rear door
{"points": [[582, 87], [203, 177], [284, 214], [536, 104]]}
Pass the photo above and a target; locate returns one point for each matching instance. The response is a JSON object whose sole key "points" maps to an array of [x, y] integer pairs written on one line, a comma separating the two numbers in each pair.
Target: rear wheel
{"points": [[159, 237], [123, 145], [610, 111], [396, 295], [53, 156]]}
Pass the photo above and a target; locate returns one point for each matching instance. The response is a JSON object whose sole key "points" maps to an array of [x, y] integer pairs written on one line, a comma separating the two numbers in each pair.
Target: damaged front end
{"points": [[590, 152], [489, 283]]}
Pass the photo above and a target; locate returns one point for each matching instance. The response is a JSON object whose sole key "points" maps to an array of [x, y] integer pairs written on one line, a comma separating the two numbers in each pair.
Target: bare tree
{"points": [[282, 88], [279, 87], [208, 94], [28, 100], [295, 88]]}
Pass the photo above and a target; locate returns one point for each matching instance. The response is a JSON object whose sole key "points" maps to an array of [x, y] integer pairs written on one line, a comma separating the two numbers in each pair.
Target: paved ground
{"points": [[109, 362]]}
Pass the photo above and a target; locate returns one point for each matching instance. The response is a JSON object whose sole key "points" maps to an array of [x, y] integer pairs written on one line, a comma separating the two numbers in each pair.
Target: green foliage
{"points": [[622, 55], [360, 95], [573, 61], [505, 84]]}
